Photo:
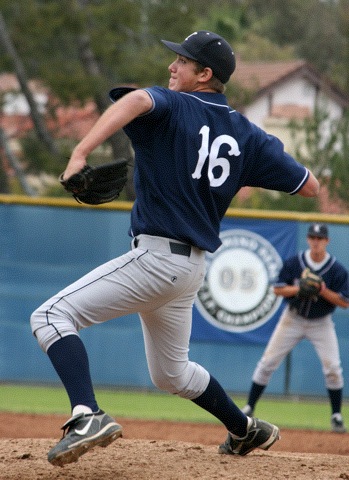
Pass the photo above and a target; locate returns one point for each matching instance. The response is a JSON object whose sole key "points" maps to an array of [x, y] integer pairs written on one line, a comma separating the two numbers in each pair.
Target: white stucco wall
{"points": [[16, 103], [292, 92]]}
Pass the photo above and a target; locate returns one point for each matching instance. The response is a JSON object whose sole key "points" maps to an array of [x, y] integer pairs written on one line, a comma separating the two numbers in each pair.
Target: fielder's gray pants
{"points": [[290, 330]]}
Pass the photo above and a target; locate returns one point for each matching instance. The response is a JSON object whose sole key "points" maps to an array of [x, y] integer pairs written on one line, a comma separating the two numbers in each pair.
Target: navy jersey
{"points": [[334, 275], [192, 155]]}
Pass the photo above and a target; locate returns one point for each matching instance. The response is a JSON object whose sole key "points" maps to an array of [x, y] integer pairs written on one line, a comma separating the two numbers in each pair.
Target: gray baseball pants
{"points": [[149, 280], [290, 330]]}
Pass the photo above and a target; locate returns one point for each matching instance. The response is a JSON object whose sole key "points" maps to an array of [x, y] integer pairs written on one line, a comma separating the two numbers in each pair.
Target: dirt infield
{"points": [[168, 451]]}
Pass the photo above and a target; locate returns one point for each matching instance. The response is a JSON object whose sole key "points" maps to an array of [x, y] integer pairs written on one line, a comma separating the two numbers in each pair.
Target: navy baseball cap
{"points": [[210, 50], [318, 230]]}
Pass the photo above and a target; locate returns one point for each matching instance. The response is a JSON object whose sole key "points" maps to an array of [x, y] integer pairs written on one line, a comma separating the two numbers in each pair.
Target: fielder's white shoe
{"points": [[337, 423]]}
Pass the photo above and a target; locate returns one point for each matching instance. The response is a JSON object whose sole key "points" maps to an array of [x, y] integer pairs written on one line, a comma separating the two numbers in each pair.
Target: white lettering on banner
{"points": [[213, 159], [237, 295]]}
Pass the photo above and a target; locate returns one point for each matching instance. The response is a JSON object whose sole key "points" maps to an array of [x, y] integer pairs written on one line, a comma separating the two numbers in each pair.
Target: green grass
{"points": [[287, 413]]}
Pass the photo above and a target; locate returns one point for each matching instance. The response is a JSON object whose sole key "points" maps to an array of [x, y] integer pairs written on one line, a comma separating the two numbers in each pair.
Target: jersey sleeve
{"points": [[339, 282], [289, 271], [162, 101], [273, 168]]}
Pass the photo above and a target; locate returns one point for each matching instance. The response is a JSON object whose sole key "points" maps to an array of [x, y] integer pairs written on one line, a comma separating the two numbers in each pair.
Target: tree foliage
{"points": [[261, 199], [125, 36], [324, 147], [82, 48], [317, 30]]}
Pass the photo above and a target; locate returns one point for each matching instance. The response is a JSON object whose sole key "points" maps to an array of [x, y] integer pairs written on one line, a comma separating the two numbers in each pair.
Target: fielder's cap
{"points": [[210, 50], [318, 230]]}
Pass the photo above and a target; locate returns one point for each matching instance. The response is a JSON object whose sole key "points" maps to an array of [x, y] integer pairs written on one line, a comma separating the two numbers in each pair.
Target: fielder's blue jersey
{"points": [[334, 275], [192, 155]]}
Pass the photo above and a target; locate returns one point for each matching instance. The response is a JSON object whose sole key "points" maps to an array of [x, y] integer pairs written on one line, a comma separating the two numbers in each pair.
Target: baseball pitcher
{"points": [[193, 153]]}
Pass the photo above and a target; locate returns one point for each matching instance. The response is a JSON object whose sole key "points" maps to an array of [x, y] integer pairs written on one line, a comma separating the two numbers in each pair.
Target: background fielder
{"points": [[192, 155], [308, 317]]}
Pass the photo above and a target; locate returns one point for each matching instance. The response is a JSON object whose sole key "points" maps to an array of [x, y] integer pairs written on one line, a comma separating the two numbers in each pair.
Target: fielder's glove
{"points": [[99, 184], [309, 285]]}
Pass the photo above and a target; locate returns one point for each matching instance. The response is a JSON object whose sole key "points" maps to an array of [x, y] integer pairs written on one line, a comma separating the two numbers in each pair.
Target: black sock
{"points": [[255, 393], [335, 400], [216, 401], [69, 358]]}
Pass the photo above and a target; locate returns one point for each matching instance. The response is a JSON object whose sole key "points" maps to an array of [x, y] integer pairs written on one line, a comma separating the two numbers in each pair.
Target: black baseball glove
{"points": [[98, 184], [309, 284]]}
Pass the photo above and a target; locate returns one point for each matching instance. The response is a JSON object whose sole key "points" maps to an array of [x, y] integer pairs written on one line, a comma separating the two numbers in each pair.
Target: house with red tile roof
{"points": [[278, 92], [69, 122]]}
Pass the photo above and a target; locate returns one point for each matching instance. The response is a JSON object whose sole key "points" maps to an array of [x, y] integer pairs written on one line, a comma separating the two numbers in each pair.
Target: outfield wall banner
{"points": [[236, 302]]}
